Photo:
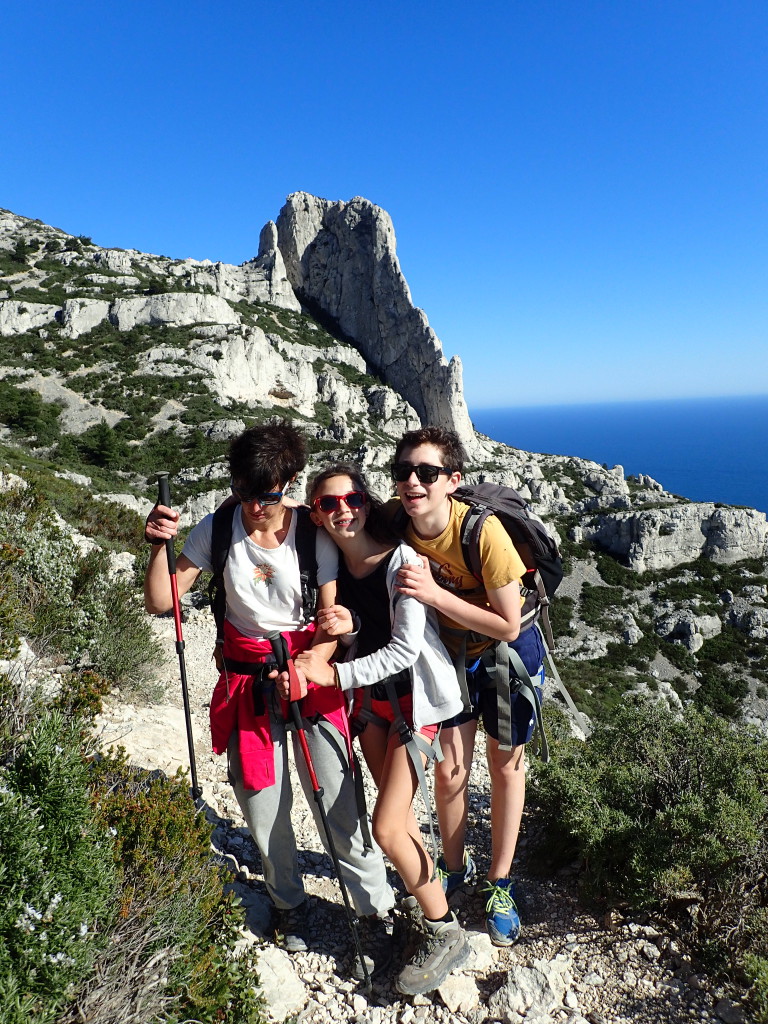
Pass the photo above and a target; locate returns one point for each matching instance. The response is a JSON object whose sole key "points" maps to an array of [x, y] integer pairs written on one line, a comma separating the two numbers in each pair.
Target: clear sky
{"points": [[578, 188]]}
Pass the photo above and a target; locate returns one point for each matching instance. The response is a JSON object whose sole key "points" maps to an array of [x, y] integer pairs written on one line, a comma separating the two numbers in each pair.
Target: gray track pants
{"points": [[268, 815]]}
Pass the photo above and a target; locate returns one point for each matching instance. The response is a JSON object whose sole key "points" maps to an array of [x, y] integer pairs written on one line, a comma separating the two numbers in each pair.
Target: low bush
{"points": [[68, 603], [57, 873], [110, 905], [669, 815], [173, 895]]}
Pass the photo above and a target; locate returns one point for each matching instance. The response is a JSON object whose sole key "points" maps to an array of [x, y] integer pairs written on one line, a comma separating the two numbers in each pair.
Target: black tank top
{"points": [[369, 597]]}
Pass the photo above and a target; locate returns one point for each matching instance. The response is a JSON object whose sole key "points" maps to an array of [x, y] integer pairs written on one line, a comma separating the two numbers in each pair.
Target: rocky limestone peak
{"points": [[341, 261]]}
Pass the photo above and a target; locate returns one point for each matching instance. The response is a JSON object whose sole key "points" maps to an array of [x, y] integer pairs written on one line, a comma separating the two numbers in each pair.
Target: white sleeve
{"points": [[327, 555], [408, 628], [197, 546]]}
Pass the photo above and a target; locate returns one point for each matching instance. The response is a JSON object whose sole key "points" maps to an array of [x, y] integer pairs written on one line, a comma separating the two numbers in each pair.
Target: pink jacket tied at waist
{"points": [[232, 706]]}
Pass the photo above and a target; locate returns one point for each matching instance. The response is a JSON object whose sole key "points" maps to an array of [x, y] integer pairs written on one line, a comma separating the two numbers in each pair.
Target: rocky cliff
{"points": [[341, 261], [114, 363]]}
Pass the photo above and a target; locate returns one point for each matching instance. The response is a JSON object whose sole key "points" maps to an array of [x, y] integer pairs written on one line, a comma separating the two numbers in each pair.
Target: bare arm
{"points": [[163, 524], [501, 621]]}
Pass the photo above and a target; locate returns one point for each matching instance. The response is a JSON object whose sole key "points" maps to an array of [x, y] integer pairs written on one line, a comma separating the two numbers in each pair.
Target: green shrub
{"points": [[66, 602], [57, 874], [27, 414], [757, 972], [669, 815], [171, 887], [600, 606]]}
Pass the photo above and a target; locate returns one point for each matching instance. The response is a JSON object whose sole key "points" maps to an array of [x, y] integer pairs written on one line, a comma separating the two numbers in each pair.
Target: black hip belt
{"points": [[259, 670]]}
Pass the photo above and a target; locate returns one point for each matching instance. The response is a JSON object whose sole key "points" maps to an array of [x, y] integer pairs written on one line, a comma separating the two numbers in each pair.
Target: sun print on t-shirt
{"points": [[263, 573]]}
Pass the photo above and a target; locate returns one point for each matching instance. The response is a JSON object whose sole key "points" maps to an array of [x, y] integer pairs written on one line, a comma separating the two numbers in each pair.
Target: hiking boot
{"points": [[443, 949], [376, 940], [411, 913], [502, 919], [291, 928], [453, 880]]}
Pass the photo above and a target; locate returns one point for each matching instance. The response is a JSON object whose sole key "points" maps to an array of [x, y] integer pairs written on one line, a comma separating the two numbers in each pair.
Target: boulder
{"points": [[176, 309], [20, 317], [685, 627], [661, 538]]}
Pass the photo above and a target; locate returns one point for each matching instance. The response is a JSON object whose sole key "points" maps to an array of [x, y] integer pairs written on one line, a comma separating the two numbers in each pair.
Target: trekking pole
{"points": [[285, 664], [164, 498]]}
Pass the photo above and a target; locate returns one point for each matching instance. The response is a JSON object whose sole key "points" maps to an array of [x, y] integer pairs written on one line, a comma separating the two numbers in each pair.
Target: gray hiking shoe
{"points": [[376, 940], [443, 949], [411, 914], [291, 928]]}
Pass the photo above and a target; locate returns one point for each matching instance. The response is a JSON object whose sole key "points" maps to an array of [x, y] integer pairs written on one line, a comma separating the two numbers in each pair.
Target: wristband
{"points": [[336, 680]]}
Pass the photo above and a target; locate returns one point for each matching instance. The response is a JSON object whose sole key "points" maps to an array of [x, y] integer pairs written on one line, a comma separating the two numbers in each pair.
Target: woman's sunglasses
{"points": [[401, 471], [331, 502], [271, 498]]}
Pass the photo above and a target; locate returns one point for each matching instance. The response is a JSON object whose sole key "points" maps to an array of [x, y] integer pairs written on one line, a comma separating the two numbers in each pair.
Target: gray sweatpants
{"points": [[267, 813]]}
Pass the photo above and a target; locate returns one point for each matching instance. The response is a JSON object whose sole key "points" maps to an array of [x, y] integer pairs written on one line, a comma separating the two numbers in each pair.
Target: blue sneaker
{"points": [[502, 919], [452, 880]]}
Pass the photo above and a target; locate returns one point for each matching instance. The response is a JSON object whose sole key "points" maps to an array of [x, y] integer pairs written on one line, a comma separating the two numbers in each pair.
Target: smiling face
{"points": [[343, 521], [426, 502]]}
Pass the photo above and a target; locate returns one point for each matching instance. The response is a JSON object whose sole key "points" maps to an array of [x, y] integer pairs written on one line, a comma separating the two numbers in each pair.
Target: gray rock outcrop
{"points": [[661, 538], [689, 629], [340, 259]]}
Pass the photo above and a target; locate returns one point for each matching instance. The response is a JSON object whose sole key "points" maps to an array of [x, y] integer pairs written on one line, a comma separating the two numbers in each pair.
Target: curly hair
{"points": [[446, 441], [267, 455]]}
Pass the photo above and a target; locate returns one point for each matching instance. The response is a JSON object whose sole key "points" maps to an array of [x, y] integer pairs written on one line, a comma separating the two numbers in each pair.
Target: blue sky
{"points": [[578, 189]]}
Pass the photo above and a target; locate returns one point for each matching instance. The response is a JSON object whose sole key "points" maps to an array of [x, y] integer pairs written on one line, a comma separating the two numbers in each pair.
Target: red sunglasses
{"points": [[331, 502]]}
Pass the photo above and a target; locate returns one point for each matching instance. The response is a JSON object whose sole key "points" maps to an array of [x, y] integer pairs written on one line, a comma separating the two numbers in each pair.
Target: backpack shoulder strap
{"points": [[306, 535], [221, 541], [470, 538]]}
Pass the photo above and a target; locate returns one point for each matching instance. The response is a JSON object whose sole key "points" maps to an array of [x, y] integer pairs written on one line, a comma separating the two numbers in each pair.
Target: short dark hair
{"points": [[267, 455], [447, 441], [376, 522]]}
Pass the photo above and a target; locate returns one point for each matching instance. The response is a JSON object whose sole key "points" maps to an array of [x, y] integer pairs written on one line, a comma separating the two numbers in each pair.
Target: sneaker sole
{"points": [[419, 987], [497, 939]]}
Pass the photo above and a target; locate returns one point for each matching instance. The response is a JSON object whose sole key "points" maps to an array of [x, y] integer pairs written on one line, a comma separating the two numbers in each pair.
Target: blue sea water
{"points": [[705, 449]]}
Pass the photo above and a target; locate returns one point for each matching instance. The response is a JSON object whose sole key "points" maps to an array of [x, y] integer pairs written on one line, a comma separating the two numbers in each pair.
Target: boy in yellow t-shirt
{"points": [[427, 470]]}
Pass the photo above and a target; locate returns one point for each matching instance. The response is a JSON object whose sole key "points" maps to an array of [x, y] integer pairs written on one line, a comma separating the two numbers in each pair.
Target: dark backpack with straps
{"points": [[533, 542], [538, 549], [221, 541]]}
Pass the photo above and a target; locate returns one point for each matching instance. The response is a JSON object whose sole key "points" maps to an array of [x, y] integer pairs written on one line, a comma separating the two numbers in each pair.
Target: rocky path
{"points": [[569, 966]]}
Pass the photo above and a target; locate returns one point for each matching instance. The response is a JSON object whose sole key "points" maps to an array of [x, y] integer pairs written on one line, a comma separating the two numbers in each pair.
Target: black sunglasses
{"points": [[401, 471], [271, 498], [330, 502]]}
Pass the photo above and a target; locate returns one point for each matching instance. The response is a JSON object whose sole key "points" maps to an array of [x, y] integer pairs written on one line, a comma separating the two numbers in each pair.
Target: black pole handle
{"points": [[164, 498]]}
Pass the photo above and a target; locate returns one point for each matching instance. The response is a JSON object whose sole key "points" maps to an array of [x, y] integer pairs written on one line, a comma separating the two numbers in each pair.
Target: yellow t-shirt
{"points": [[498, 556]]}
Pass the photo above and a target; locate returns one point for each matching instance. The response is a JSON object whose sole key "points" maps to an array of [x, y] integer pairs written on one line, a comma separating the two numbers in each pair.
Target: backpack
{"points": [[533, 542], [538, 549], [221, 540]]}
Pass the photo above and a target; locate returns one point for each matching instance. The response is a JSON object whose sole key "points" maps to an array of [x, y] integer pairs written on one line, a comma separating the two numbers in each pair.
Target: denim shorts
{"points": [[482, 697]]}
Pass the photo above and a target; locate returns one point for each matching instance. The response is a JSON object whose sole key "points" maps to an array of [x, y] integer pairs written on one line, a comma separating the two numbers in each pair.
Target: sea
{"points": [[705, 449]]}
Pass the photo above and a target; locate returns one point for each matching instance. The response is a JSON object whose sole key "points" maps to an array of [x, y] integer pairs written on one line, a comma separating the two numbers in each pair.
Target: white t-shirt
{"points": [[262, 584]]}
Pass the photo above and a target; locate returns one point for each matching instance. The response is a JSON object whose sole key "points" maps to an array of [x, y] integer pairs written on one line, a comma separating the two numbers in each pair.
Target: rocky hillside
{"points": [[116, 363]]}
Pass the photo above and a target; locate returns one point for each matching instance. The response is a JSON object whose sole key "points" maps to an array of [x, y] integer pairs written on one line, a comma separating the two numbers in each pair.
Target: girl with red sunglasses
{"points": [[404, 685]]}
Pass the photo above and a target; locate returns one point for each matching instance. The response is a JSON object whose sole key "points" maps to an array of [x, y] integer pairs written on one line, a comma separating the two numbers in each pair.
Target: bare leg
{"points": [[396, 831], [451, 790], [507, 768]]}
